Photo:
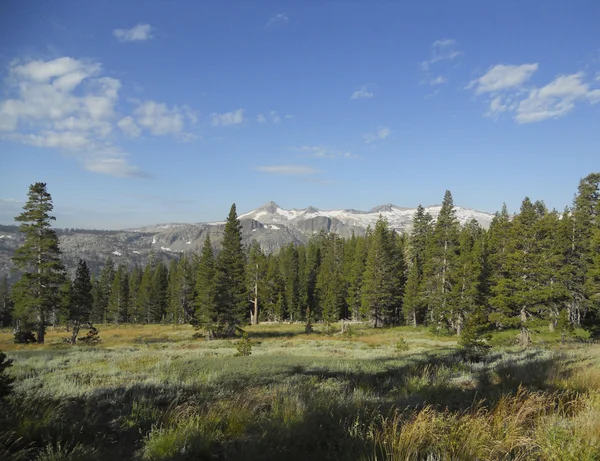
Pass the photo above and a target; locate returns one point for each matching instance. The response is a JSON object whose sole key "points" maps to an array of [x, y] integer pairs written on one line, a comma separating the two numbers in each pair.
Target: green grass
{"points": [[155, 393]]}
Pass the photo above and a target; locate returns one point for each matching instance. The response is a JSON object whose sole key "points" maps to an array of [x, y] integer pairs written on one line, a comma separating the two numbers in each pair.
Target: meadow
{"points": [[155, 392]]}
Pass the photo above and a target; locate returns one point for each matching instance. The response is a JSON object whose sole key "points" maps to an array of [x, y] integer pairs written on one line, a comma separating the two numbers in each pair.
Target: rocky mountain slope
{"points": [[270, 225]]}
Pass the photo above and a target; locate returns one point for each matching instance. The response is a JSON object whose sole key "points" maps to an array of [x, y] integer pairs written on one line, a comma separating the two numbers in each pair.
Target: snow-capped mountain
{"points": [[399, 218], [270, 225]]}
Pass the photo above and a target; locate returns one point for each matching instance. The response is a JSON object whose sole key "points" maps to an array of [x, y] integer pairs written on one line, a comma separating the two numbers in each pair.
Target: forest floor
{"points": [[155, 392]]}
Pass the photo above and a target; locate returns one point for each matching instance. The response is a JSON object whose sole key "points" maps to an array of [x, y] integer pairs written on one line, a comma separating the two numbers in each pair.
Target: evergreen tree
{"points": [[118, 303], [382, 288], [6, 303], [135, 280], [105, 282], [586, 220], [206, 312], [230, 279], [182, 290], [309, 282], [37, 293], [290, 268], [160, 292], [275, 302], [355, 278], [82, 299], [414, 303], [440, 267], [330, 283], [146, 295], [255, 275], [469, 288]]}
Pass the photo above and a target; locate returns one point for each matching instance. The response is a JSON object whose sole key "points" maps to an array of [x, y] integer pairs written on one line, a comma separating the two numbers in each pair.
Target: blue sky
{"points": [[135, 113]]}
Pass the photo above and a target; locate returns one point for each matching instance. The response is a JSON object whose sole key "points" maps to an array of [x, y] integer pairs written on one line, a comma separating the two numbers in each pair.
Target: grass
{"points": [[154, 392]]}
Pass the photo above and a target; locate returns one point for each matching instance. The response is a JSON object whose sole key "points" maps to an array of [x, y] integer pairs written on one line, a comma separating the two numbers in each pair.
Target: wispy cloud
{"points": [[505, 86], [327, 152], [442, 50], [362, 93], [438, 80], [293, 170], [280, 18], [260, 118], [228, 118], [138, 33], [503, 77], [379, 135], [67, 104]]}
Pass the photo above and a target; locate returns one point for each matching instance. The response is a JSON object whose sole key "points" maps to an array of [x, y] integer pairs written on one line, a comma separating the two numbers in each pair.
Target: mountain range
{"points": [[270, 225]]}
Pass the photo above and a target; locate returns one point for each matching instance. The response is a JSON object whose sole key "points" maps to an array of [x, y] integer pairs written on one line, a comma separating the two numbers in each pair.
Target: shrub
{"points": [[402, 345], [474, 338], [24, 336], [91, 336], [244, 346], [5, 381]]}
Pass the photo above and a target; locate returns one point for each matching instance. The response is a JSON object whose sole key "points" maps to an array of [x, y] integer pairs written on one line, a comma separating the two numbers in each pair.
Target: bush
{"points": [[24, 336], [5, 381], [91, 336], [474, 338], [402, 345], [244, 346]]}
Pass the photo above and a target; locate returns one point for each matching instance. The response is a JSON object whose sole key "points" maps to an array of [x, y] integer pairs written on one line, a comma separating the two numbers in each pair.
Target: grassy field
{"points": [[155, 393]]}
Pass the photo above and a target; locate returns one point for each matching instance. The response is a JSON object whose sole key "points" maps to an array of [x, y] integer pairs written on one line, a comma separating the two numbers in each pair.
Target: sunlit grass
{"points": [[156, 392]]}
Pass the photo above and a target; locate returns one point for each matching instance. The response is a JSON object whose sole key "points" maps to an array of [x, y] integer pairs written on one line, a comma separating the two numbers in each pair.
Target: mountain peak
{"points": [[383, 208], [270, 207]]}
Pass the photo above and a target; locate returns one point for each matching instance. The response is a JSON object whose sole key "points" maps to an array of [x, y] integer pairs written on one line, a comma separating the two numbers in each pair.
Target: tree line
{"points": [[537, 267]]}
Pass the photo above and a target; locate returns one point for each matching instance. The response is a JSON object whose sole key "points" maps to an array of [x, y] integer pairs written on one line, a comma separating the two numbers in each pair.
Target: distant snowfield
{"points": [[398, 217]]}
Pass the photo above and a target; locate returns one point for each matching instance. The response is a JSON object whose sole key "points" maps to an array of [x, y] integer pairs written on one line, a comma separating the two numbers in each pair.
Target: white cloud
{"points": [[327, 152], [260, 118], [361, 93], [502, 77], [129, 127], [280, 18], [138, 33], [275, 118], [67, 104], [229, 118], [505, 86], [288, 169], [379, 135], [159, 119], [555, 100], [442, 50], [437, 81]]}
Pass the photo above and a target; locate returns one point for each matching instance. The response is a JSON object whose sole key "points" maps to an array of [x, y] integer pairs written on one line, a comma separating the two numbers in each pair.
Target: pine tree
{"points": [[330, 283], [118, 303], [146, 295], [37, 293], [440, 268], [230, 279], [382, 289], [6, 303], [414, 303], [468, 295], [105, 282], [160, 292], [181, 290], [274, 291], [82, 299], [355, 278], [586, 220], [290, 271], [206, 313], [135, 280], [255, 280]]}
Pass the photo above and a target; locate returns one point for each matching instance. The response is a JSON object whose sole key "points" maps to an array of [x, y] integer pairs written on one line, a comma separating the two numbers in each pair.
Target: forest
{"points": [[535, 267]]}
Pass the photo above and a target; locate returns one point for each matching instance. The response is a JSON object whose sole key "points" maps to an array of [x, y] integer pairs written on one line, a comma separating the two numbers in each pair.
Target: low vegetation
{"points": [[155, 392]]}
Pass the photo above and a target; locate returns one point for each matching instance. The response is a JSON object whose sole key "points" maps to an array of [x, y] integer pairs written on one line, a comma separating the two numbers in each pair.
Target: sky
{"points": [[143, 112]]}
